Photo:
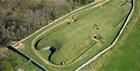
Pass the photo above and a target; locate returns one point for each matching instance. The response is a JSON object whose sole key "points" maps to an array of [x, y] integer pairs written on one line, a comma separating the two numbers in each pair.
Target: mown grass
{"points": [[125, 55], [75, 38], [69, 38], [17, 62]]}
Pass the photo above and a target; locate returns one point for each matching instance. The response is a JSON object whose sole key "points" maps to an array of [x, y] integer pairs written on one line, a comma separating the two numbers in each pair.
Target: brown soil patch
{"points": [[19, 45]]}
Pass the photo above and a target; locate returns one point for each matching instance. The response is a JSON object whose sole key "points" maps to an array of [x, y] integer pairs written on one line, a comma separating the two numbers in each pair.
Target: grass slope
{"points": [[126, 54], [74, 40]]}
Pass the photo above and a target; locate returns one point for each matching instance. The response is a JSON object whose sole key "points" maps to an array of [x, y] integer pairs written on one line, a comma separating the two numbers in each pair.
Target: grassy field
{"points": [[73, 39], [78, 41], [125, 55]]}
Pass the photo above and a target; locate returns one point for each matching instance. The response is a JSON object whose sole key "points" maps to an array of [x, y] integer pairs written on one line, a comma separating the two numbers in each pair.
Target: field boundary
{"points": [[27, 58]]}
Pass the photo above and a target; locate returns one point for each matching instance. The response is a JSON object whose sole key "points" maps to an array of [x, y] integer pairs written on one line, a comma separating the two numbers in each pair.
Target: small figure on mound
{"points": [[97, 37], [94, 36], [62, 63]]}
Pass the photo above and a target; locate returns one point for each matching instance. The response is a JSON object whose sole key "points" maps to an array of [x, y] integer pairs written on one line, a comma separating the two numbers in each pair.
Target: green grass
{"points": [[126, 54], [74, 40], [15, 62], [127, 57]]}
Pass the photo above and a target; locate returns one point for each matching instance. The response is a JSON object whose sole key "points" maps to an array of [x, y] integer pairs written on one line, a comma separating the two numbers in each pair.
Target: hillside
{"points": [[20, 18], [69, 35]]}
